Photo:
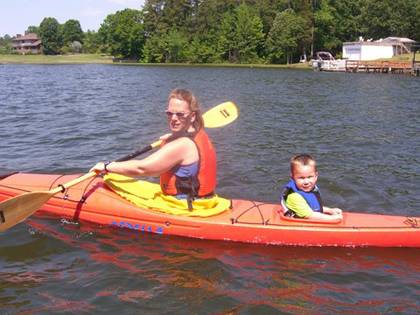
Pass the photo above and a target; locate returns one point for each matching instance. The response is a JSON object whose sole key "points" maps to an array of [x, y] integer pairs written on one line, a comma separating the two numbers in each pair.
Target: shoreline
{"points": [[102, 59]]}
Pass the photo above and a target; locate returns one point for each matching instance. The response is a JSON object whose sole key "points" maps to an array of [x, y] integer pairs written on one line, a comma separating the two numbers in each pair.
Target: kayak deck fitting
{"points": [[245, 221]]}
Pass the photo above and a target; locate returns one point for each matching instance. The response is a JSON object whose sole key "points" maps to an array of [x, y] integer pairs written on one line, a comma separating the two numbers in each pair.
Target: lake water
{"points": [[363, 129]]}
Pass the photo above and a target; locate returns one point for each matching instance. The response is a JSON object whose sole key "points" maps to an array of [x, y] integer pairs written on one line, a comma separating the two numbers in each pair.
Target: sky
{"points": [[17, 15]]}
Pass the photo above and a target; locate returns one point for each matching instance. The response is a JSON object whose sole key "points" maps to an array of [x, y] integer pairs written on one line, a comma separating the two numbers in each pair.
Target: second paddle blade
{"points": [[220, 115]]}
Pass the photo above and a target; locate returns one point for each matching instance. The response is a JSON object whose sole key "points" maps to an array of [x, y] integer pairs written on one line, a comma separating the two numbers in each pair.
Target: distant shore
{"points": [[56, 59], [103, 59]]}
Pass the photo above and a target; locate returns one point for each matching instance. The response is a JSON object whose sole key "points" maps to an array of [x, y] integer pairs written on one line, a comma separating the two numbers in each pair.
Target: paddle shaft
{"points": [[139, 152]]}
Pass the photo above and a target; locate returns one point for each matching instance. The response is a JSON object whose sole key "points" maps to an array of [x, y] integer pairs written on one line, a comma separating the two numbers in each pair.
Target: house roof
{"points": [[29, 36], [398, 39], [369, 43], [389, 41]]}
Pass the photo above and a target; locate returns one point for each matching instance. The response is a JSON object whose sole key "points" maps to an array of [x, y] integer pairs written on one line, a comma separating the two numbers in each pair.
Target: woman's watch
{"points": [[105, 166]]}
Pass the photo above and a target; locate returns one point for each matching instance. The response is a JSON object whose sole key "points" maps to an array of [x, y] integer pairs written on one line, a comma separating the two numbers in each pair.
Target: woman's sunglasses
{"points": [[179, 115]]}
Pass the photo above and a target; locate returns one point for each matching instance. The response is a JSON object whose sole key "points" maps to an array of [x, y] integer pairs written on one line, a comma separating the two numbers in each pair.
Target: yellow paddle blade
{"points": [[17, 209], [220, 115]]}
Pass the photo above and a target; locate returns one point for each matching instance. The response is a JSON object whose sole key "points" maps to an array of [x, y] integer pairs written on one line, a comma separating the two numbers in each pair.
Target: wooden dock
{"points": [[405, 67], [415, 65], [416, 69]]}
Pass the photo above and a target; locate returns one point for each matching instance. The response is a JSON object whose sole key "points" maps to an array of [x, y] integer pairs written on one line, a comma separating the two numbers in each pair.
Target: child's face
{"points": [[305, 177]]}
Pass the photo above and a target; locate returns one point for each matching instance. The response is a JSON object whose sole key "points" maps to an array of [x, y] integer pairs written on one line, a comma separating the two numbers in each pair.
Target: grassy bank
{"points": [[59, 59], [101, 59]]}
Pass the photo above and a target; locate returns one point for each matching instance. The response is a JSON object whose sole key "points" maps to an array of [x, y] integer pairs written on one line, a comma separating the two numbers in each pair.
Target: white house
{"points": [[382, 48]]}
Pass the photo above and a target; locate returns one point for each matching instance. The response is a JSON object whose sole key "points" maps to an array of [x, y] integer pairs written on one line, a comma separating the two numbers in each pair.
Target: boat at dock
{"points": [[325, 61]]}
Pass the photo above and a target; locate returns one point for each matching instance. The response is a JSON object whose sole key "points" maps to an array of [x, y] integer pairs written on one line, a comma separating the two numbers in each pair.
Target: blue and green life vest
{"points": [[313, 198]]}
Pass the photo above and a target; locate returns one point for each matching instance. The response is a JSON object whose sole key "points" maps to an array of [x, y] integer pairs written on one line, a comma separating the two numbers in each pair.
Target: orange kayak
{"points": [[246, 221]]}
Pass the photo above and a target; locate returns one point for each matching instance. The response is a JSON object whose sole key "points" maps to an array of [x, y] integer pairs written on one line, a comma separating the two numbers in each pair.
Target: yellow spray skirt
{"points": [[149, 196]]}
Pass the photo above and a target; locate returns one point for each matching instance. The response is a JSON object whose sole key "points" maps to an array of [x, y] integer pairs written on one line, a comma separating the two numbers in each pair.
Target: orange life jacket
{"points": [[204, 183]]}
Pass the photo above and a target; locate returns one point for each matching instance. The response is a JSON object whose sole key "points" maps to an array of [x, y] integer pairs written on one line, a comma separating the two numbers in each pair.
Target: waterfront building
{"points": [[382, 48], [27, 44]]}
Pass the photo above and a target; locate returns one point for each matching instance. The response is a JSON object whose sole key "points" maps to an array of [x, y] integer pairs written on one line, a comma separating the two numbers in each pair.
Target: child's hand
{"points": [[333, 210], [336, 215], [337, 211]]}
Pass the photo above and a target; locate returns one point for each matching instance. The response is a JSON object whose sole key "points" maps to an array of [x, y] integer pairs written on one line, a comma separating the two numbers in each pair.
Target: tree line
{"points": [[232, 31]]}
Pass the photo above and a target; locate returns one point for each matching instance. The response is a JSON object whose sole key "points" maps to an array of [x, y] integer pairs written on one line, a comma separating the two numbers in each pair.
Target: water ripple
{"points": [[363, 129]]}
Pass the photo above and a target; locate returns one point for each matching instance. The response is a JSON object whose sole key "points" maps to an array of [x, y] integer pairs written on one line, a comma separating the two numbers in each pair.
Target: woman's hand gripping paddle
{"points": [[17, 209]]}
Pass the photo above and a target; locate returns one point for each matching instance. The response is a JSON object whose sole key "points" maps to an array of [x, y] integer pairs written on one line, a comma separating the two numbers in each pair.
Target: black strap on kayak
{"points": [[189, 202], [2, 218], [255, 205]]}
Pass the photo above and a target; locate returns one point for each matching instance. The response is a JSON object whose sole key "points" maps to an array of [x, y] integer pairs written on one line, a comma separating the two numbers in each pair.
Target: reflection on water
{"points": [[363, 129], [118, 268]]}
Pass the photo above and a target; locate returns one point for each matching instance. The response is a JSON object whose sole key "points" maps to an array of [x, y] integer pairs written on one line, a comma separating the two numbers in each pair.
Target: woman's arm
{"points": [[179, 151]]}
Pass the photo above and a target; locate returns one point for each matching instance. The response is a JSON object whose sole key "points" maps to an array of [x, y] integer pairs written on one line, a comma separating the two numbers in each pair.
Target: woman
{"points": [[186, 162]]}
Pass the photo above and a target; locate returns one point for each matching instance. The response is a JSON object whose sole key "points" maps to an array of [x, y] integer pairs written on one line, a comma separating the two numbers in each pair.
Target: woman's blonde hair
{"points": [[193, 104]]}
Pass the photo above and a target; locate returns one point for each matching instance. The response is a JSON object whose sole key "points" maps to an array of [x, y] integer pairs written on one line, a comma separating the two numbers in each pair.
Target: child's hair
{"points": [[302, 159]]}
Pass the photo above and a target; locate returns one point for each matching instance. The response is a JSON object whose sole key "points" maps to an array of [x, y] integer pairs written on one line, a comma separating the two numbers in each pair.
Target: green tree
{"points": [[154, 49], [202, 50], [6, 44], [164, 15], [212, 39], [405, 18], [226, 38], [241, 35], [122, 34], [32, 29], [267, 10], [49, 31], [208, 15], [380, 19], [375, 18], [346, 15], [175, 43], [92, 42], [152, 15], [285, 35], [324, 32], [416, 25], [178, 14], [170, 47], [72, 32], [249, 37], [198, 22]]}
